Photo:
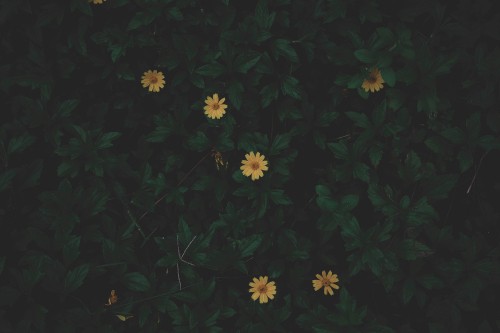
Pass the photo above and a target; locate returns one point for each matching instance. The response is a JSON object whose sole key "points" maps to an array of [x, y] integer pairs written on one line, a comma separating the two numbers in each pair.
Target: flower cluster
{"points": [[263, 290], [253, 165]]}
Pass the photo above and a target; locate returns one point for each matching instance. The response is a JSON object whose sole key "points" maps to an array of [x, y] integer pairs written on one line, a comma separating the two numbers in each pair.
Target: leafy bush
{"points": [[125, 206]]}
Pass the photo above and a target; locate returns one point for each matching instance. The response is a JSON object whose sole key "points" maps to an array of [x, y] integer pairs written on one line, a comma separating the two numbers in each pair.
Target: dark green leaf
{"points": [[280, 142], [339, 149], [20, 143], [365, 56], [290, 87], [411, 249], [143, 18], [248, 245], [71, 249], [245, 61], [235, 91], [284, 48], [105, 141], [212, 70], [198, 142], [74, 278], [136, 281]]}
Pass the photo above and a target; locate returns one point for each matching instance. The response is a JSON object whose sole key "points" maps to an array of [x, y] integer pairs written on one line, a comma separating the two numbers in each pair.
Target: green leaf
{"points": [[245, 61], [198, 142], [375, 153], [268, 94], [438, 187], [279, 197], [408, 290], [326, 119], [411, 249], [430, 282], [175, 13], [290, 87], [66, 107], [365, 56], [20, 143], [360, 119], [71, 249], [389, 76], [280, 142], [465, 159], [349, 202], [248, 245], [143, 18], [339, 149], [6, 178], [283, 47], [235, 91], [105, 141], [74, 278], [421, 212], [263, 18], [454, 135], [212, 70], [325, 200], [135, 281], [361, 172]]}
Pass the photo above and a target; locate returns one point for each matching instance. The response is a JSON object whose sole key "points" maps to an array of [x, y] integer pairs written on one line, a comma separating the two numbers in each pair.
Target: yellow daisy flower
{"points": [[374, 81], [97, 2], [254, 165], [326, 281], [154, 80], [262, 290], [214, 107]]}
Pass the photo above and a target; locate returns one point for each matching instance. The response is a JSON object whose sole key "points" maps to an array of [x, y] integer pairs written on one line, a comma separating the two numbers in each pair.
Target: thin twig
{"points": [[181, 256], [476, 172], [187, 247], [136, 223], [179, 276]]}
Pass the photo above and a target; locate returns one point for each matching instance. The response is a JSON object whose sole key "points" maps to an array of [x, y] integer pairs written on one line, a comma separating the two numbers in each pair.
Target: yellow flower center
{"points": [[254, 165], [215, 106], [262, 289], [326, 283], [372, 78], [153, 80]]}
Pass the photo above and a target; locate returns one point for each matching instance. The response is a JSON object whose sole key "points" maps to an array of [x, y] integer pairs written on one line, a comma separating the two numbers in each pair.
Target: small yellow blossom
{"points": [[97, 2], [262, 290], [214, 107], [374, 81], [154, 80], [326, 281], [254, 165]]}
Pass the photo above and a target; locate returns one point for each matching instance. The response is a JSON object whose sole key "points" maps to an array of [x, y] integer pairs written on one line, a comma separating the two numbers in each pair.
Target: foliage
{"points": [[106, 186]]}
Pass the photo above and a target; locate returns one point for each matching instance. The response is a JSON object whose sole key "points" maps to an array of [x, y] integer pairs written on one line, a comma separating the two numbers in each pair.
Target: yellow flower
{"points": [[97, 2], [374, 81], [214, 108], [262, 290], [326, 281], [154, 80], [254, 165]]}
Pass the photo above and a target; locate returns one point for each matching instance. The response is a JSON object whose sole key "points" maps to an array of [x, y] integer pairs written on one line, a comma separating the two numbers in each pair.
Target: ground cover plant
{"points": [[249, 166]]}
